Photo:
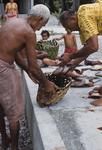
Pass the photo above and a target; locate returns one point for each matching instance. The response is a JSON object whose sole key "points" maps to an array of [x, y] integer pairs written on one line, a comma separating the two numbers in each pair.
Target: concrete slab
{"points": [[72, 124], [68, 122], [44, 132]]}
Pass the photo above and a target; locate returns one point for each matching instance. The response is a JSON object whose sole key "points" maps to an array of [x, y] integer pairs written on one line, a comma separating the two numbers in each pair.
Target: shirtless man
{"points": [[69, 41], [15, 35]]}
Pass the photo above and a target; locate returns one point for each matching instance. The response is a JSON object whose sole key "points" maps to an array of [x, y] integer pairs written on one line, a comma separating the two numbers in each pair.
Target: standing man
{"points": [[15, 35], [11, 9], [88, 21]]}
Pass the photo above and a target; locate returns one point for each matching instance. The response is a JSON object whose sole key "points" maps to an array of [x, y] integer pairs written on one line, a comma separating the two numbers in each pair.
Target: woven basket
{"points": [[51, 47], [63, 83]]}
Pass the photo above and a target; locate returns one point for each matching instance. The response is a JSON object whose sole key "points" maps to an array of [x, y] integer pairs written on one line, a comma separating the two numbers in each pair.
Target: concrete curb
{"points": [[43, 129]]}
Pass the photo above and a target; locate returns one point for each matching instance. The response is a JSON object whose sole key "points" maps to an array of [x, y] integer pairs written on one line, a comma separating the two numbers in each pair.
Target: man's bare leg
{"points": [[14, 131], [4, 136]]}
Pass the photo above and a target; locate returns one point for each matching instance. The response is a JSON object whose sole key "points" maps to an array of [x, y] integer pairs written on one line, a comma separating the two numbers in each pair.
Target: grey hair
{"points": [[40, 10]]}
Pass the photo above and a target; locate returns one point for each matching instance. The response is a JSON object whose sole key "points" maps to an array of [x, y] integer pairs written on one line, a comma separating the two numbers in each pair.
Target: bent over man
{"points": [[15, 35], [88, 21]]}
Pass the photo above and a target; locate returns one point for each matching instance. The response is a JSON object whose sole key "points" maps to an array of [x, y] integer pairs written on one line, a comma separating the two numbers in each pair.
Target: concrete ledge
{"points": [[72, 124], [43, 130]]}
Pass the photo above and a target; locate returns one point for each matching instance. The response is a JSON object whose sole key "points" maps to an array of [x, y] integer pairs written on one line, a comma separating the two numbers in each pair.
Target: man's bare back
{"points": [[69, 40], [14, 36], [18, 34]]}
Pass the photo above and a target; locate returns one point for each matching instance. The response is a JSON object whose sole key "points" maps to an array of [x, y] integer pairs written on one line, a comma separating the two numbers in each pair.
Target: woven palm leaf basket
{"points": [[51, 47], [63, 83]]}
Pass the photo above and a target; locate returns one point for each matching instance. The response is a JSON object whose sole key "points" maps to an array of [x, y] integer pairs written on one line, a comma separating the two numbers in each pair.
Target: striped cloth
{"points": [[11, 92]]}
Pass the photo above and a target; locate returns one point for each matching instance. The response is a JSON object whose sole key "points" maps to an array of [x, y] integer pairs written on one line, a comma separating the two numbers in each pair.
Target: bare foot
{"points": [[97, 102]]}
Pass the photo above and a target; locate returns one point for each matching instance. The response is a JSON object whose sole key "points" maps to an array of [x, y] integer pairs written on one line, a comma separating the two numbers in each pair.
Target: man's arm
{"points": [[90, 47], [33, 67], [23, 64], [76, 62]]}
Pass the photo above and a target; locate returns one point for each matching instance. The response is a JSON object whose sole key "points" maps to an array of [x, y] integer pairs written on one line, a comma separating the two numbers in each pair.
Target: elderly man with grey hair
{"points": [[16, 35]]}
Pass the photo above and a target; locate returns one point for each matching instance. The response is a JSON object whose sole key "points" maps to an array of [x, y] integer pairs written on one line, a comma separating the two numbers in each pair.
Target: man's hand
{"points": [[65, 59], [46, 93]]}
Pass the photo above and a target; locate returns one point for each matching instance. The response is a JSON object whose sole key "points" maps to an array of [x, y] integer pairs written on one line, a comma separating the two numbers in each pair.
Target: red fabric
{"points": [[11, 15], [70, 50]]}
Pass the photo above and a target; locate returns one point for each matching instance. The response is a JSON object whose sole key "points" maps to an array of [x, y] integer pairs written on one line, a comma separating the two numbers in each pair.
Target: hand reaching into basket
{"points": [[65, 59], [55, 92], [69, 67]]}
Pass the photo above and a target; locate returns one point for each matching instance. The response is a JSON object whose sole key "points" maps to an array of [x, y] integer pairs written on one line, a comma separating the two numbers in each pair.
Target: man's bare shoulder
{"points": [[18, 24], [15, 22]]}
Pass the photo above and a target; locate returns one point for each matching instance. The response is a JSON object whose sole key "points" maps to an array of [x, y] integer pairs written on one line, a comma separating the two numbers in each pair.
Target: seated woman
{"points": [[50, 46]]}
